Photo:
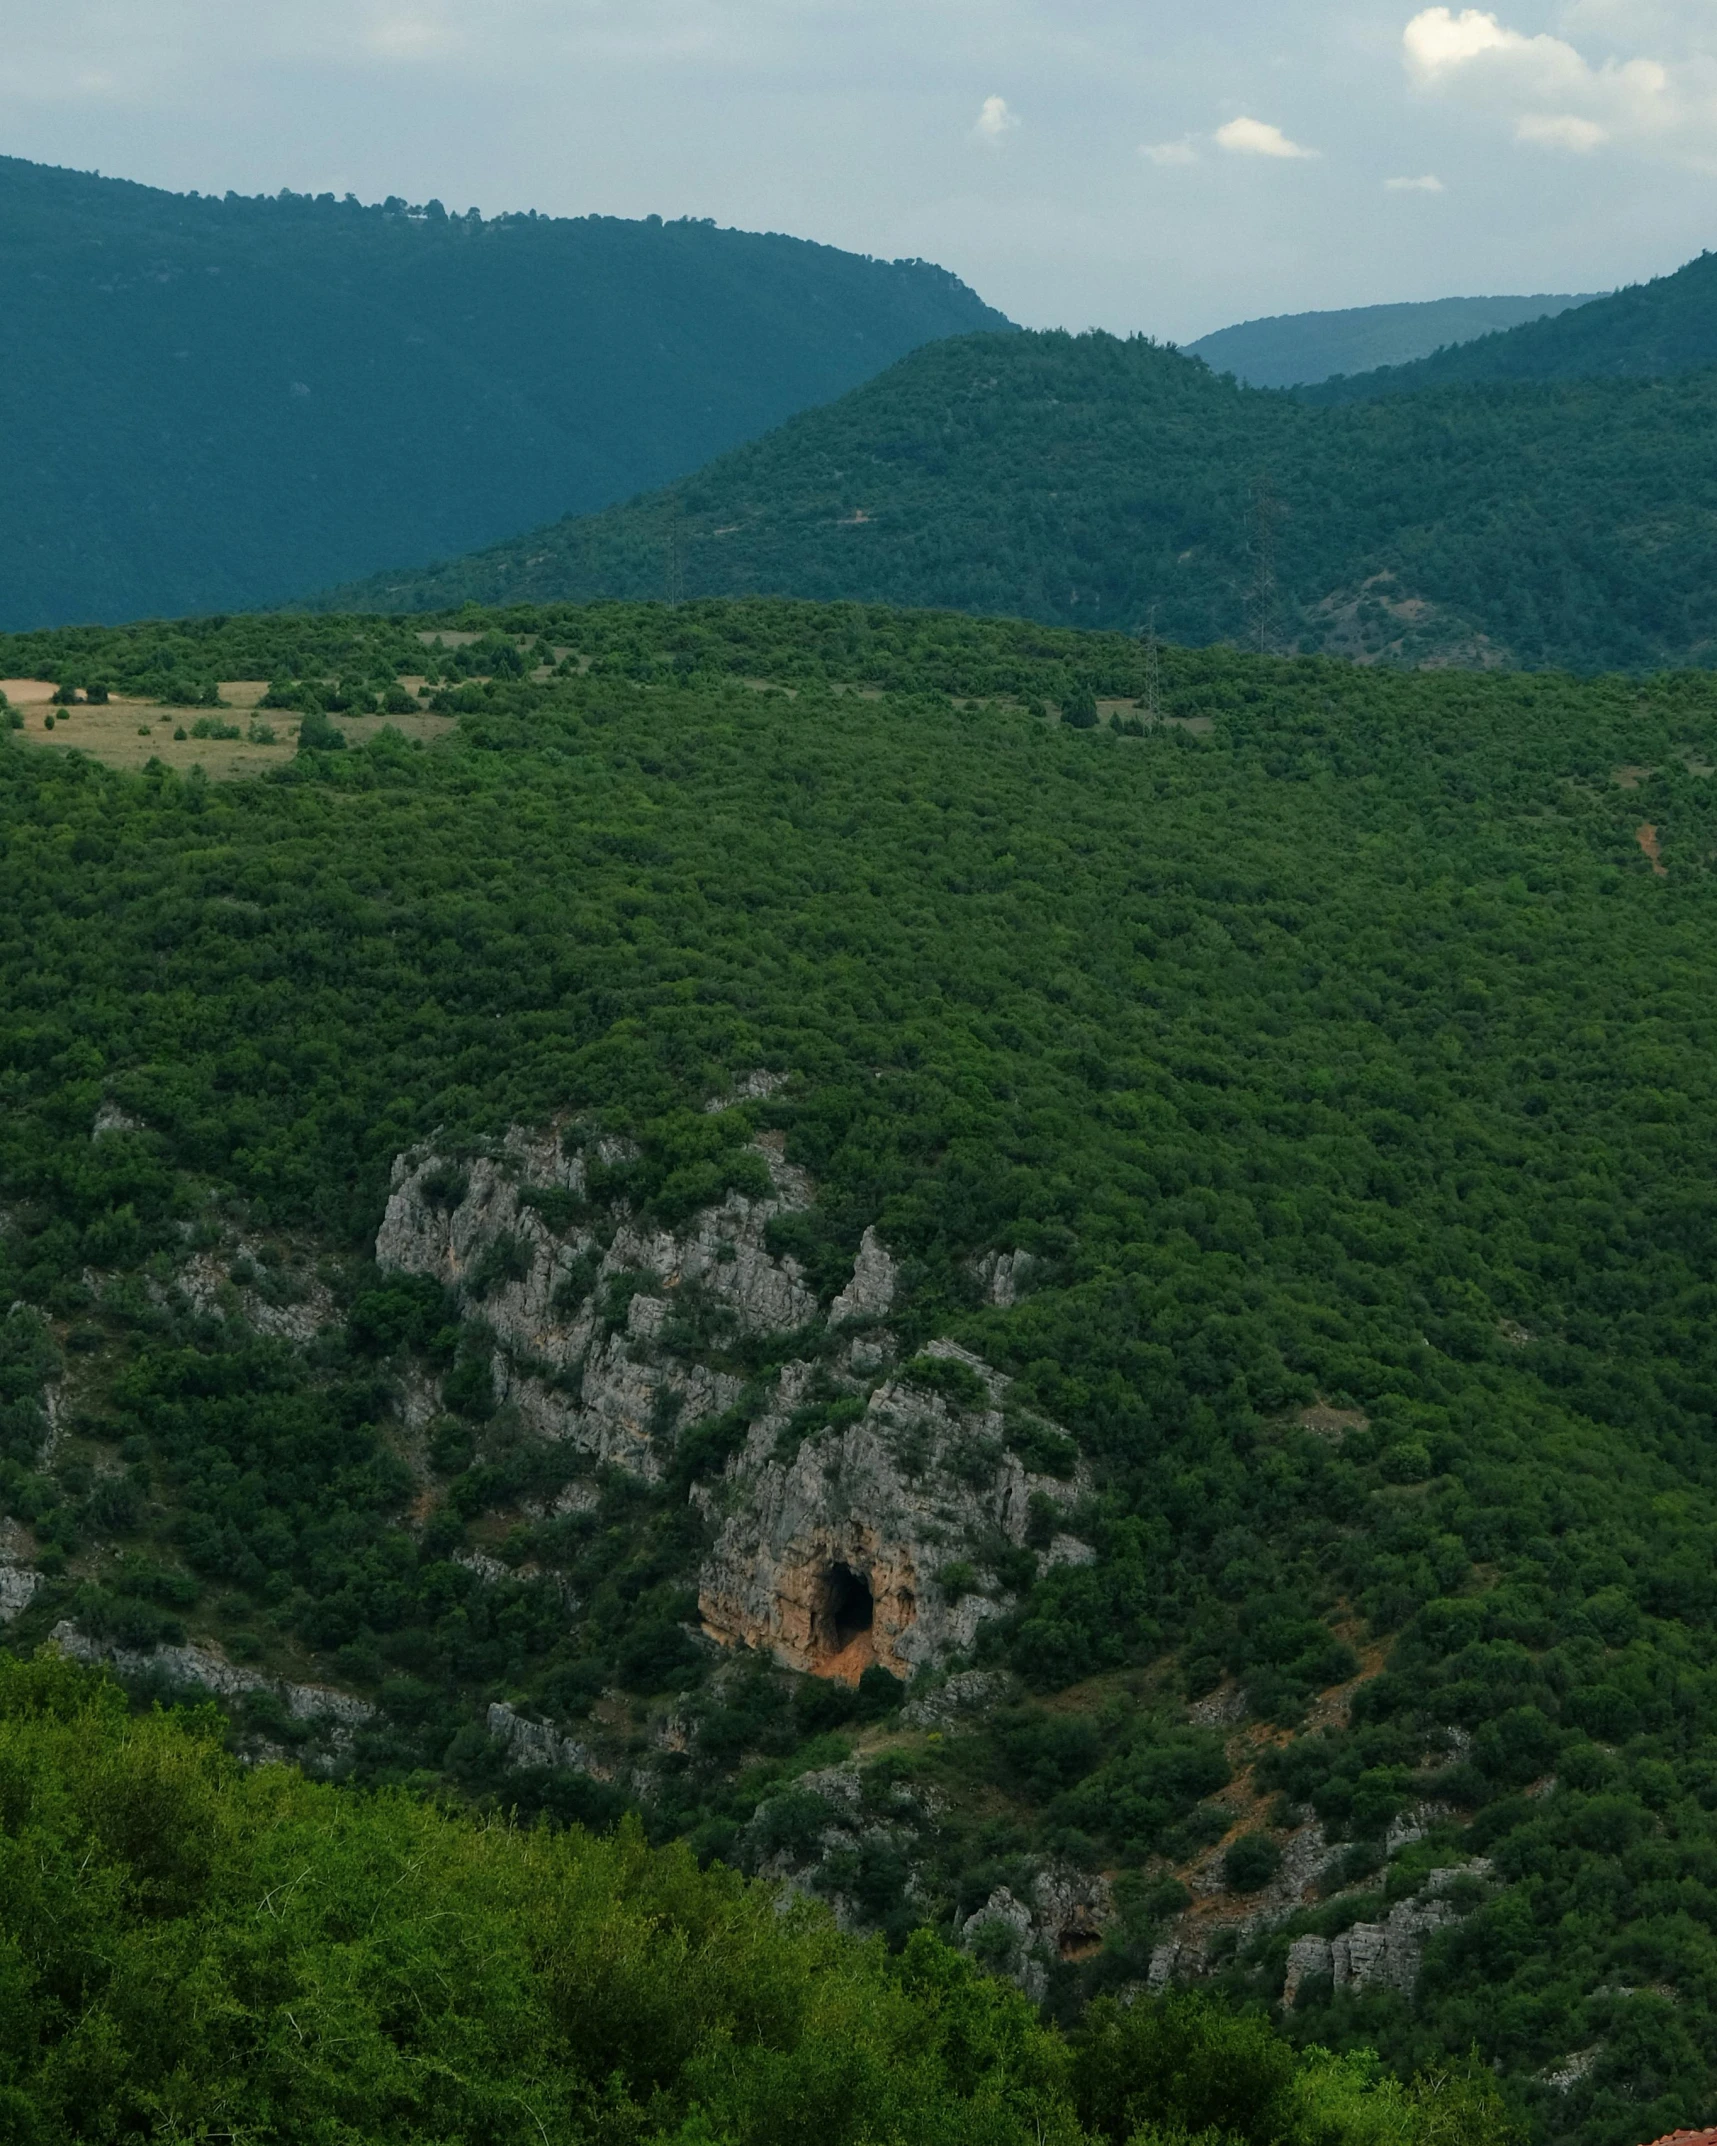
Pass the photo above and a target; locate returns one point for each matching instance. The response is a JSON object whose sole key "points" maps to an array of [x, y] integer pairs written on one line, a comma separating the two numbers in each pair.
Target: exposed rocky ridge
{"points": [[538, 1743], [611, 1391], [960, 1701], [817, 1837], [237, 1279], [1387, 1954], [1063, 1917], [18, 1581], [892, 1500], [333, 1715], [856, 1486]]}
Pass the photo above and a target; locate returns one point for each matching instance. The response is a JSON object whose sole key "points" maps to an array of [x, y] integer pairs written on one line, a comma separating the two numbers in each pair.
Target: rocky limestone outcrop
{"points": [[334, 1714], [538, 1744], [617, 1392], [829, 1555], [1004, 1277], [833, 1525], [837, 1821], [1063, 1918], [1307, 1854], [289, 1307], [1380, 1955], [18, 1581], [111, 1118], [870, 1293], [17, 1590], [960, 1701]]}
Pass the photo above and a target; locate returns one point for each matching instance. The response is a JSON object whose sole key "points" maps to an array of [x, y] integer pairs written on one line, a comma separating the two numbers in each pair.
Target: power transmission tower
{"points": [[1153, 672], [1261, 599]]}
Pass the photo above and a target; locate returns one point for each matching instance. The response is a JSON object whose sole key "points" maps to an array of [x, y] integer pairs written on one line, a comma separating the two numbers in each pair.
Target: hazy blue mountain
{"points": [[1648, 331], [1288, 349], [216, 403]]}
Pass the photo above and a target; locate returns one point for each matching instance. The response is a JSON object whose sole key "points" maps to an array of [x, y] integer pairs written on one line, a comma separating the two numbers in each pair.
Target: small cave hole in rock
{"points": [[851, 1607]]}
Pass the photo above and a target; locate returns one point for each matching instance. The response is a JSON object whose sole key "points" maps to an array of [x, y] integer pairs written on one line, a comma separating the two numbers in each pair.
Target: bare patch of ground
{"points": [[1630, 778], [1378, 623], [1200, 726], [1333, 1423], [1646, 837], [129, 734]]}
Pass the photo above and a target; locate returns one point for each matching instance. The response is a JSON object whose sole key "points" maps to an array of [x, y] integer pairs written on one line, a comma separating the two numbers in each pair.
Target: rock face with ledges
{"points": [[618, 1393], [857, 1487], [870, 1293], [891, 1500], [1381, 1955], [335, 1715]]}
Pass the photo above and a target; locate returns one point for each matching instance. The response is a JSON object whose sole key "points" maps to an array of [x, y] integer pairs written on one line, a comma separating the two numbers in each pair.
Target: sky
{"points": [[1137, 165]]}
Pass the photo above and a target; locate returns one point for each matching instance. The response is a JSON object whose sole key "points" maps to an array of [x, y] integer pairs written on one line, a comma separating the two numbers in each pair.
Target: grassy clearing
{"points": [[128, 732]]}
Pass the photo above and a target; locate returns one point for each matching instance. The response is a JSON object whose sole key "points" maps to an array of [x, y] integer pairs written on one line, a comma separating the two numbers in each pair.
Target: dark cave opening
{"points": [[852, 1609]]}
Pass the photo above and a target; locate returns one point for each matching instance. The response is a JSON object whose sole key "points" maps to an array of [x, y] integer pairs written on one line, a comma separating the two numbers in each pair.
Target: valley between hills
{"points": [[868, 1302]]}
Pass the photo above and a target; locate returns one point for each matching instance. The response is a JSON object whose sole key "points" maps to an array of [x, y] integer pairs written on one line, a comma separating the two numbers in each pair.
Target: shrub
{"points": [[317, 735], [955, 1381], [1251, 1862]]}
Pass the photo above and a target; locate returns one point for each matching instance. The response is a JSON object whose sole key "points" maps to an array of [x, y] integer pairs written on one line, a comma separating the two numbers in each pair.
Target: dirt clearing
{"points": [[130, 733]]}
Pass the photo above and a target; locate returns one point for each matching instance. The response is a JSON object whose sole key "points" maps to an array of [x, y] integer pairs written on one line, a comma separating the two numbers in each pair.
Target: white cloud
{"points": [[1559, 130], [409, 37], [995, 122], [1256, 137], [1181, 152], [1553, 96], [1428, 184], [1438, 40]]}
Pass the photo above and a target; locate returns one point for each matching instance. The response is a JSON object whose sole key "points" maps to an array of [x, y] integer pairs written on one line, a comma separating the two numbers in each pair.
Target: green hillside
{"points": [[1275, 1129], [189, 1944], [216, 403], [1647, 331], [1288, 349], [1083, 480]]}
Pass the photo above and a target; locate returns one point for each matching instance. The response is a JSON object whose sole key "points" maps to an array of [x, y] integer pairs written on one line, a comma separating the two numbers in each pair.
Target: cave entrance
{"points": [[852, 1608]]}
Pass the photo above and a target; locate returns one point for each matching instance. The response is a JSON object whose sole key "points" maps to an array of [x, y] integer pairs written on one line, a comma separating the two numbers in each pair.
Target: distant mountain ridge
{"points": [[1089, 481], [1647, 331], [1296, 349], [212, 404]]}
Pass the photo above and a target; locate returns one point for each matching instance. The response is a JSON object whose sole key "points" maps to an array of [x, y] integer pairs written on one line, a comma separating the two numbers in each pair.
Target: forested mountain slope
{"points": [[1084, 480], [1288, 349], [1647, 331], [374, 1968], [211, 404], [1167, 1263]]}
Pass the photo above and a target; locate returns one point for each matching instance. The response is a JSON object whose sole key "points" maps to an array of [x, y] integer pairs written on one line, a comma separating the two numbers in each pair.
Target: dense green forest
{"points": [[1083, 480], [217, 403], [1287, 349], [1647, 331], [1338, 1045]]}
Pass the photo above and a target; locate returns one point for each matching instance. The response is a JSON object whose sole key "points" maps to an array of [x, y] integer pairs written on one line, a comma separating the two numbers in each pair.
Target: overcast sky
{"points": [[1130, 164]]}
